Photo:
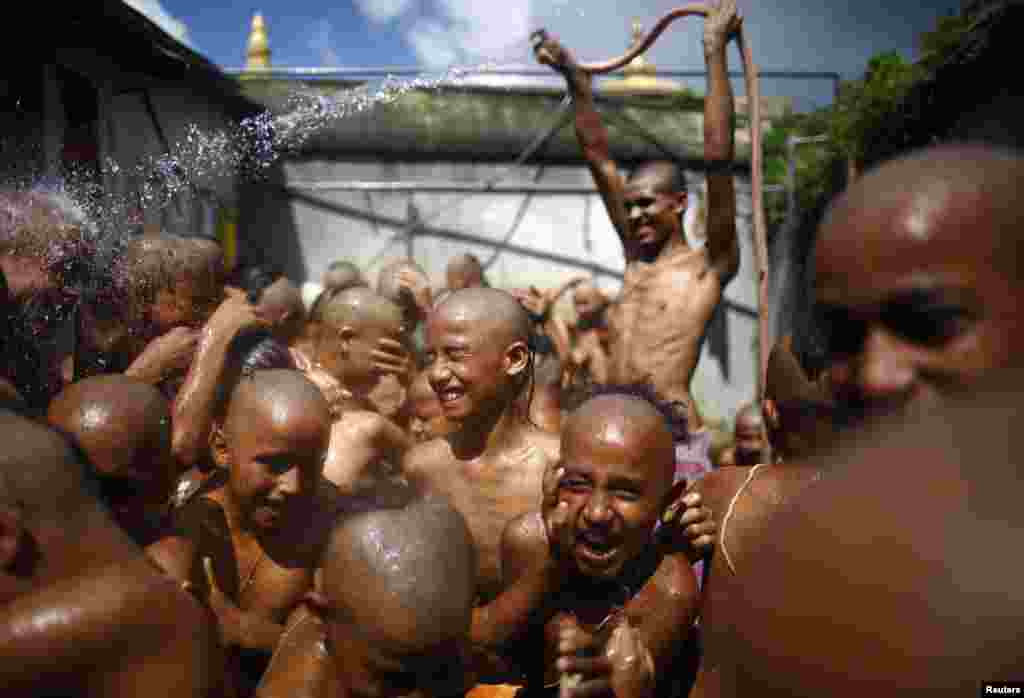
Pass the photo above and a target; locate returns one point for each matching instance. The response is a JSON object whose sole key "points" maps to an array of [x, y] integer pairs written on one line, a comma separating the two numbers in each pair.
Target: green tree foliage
{"points": [[858, 110]]}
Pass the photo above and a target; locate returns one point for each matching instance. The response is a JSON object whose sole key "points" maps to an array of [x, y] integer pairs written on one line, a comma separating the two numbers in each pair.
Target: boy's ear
{"points": [[219, 446], [679, 200], [346, 335], [517, 358], [11, 536]]}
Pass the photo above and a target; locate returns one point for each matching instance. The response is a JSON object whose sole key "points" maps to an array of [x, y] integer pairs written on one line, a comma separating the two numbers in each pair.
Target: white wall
{"points": [[574, 226]]}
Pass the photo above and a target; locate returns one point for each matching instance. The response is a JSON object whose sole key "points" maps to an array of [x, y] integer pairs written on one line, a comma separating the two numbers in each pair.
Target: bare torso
{"points": [[489, 491], [659, 320]]}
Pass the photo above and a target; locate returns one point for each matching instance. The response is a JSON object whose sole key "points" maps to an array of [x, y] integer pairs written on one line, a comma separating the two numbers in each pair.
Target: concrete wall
{"points": [[327, 225]]}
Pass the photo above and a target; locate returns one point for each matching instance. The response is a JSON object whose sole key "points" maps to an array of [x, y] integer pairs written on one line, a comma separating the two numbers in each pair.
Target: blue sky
{"points": [[828, 35]]}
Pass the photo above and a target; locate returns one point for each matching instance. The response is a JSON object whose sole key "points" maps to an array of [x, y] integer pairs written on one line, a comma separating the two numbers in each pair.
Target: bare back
{"points": [[753, 496], [488, 491], [659, 320]]}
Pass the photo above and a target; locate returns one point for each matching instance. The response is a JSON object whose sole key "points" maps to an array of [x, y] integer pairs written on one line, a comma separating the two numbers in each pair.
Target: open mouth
{"points": [[450, 395], [595, 548]]}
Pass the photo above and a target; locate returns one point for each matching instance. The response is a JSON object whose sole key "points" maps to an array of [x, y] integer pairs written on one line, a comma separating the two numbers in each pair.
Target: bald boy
{"points": [[492, 461], [393, 612], [922, 606], [82, 611], [249, 540], [918, 278], [348, 365], [124, 428], [670, 291], [586, 564], [743, 499]]}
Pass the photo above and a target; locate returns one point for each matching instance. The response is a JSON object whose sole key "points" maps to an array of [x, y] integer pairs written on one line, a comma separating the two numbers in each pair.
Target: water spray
{"points": [[753, 89]]}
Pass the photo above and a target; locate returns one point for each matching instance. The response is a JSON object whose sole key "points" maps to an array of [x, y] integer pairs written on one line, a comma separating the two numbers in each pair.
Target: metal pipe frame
{"points": [[453, 187]]}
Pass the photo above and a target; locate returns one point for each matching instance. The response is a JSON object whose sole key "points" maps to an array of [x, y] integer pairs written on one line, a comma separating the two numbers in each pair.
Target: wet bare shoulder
{"points": [[718, 487], [524, 542], [427, 461]]}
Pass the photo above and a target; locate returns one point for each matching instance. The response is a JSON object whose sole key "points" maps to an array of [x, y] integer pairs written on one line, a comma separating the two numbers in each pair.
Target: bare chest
{"points": [[269, 585], [489, 494]]}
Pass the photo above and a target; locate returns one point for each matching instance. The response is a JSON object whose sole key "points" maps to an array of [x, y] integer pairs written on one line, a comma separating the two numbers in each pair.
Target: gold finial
{"points": [[640, 75], [639, 65], [258, 53]]}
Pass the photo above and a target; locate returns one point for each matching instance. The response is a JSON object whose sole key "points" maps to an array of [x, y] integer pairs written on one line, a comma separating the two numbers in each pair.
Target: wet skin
{"points": [[918, 311], [275, 511], [664, 277], [492, 462], [583, 549]]}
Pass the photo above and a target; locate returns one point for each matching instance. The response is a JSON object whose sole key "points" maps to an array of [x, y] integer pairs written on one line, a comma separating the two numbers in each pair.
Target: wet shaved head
{"points": [[923, 204], [281, 394], [282, 301], [631, 422], [341, 275], [404, 576], [495, 310], [40, 474], [115, 419], [662, 176], [356, 306]]}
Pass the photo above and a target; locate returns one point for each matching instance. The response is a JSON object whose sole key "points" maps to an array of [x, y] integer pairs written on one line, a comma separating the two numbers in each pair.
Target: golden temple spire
{"points": [[258, 53], [640, 76]]}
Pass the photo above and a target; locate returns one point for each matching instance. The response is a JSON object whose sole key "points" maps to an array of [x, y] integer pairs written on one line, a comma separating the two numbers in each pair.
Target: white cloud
{"points": [[159, 16], [383, 10], [321, 44]]}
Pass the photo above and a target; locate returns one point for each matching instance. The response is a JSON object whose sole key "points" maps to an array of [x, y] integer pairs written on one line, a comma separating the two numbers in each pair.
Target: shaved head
{"points": [[40, 474], [341, 275], [629, 421], [281, 394], [356, 306], [925, 201], [404, 576], [282, 301], [115, 419], [496, 310], [662, 176]]}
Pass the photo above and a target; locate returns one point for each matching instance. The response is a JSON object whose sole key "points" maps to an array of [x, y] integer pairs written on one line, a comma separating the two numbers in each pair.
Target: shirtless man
{"points": [[392, 615], [749, 445], [917, 309], [589, 552], [743, 498], [492, 463], [920, 596], [670, 291], [124, 428], [94, 619], [249, 542]]}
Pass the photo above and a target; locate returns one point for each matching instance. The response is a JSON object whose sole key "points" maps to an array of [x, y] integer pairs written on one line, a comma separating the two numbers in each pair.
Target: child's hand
{"points": [[694, 530]]}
